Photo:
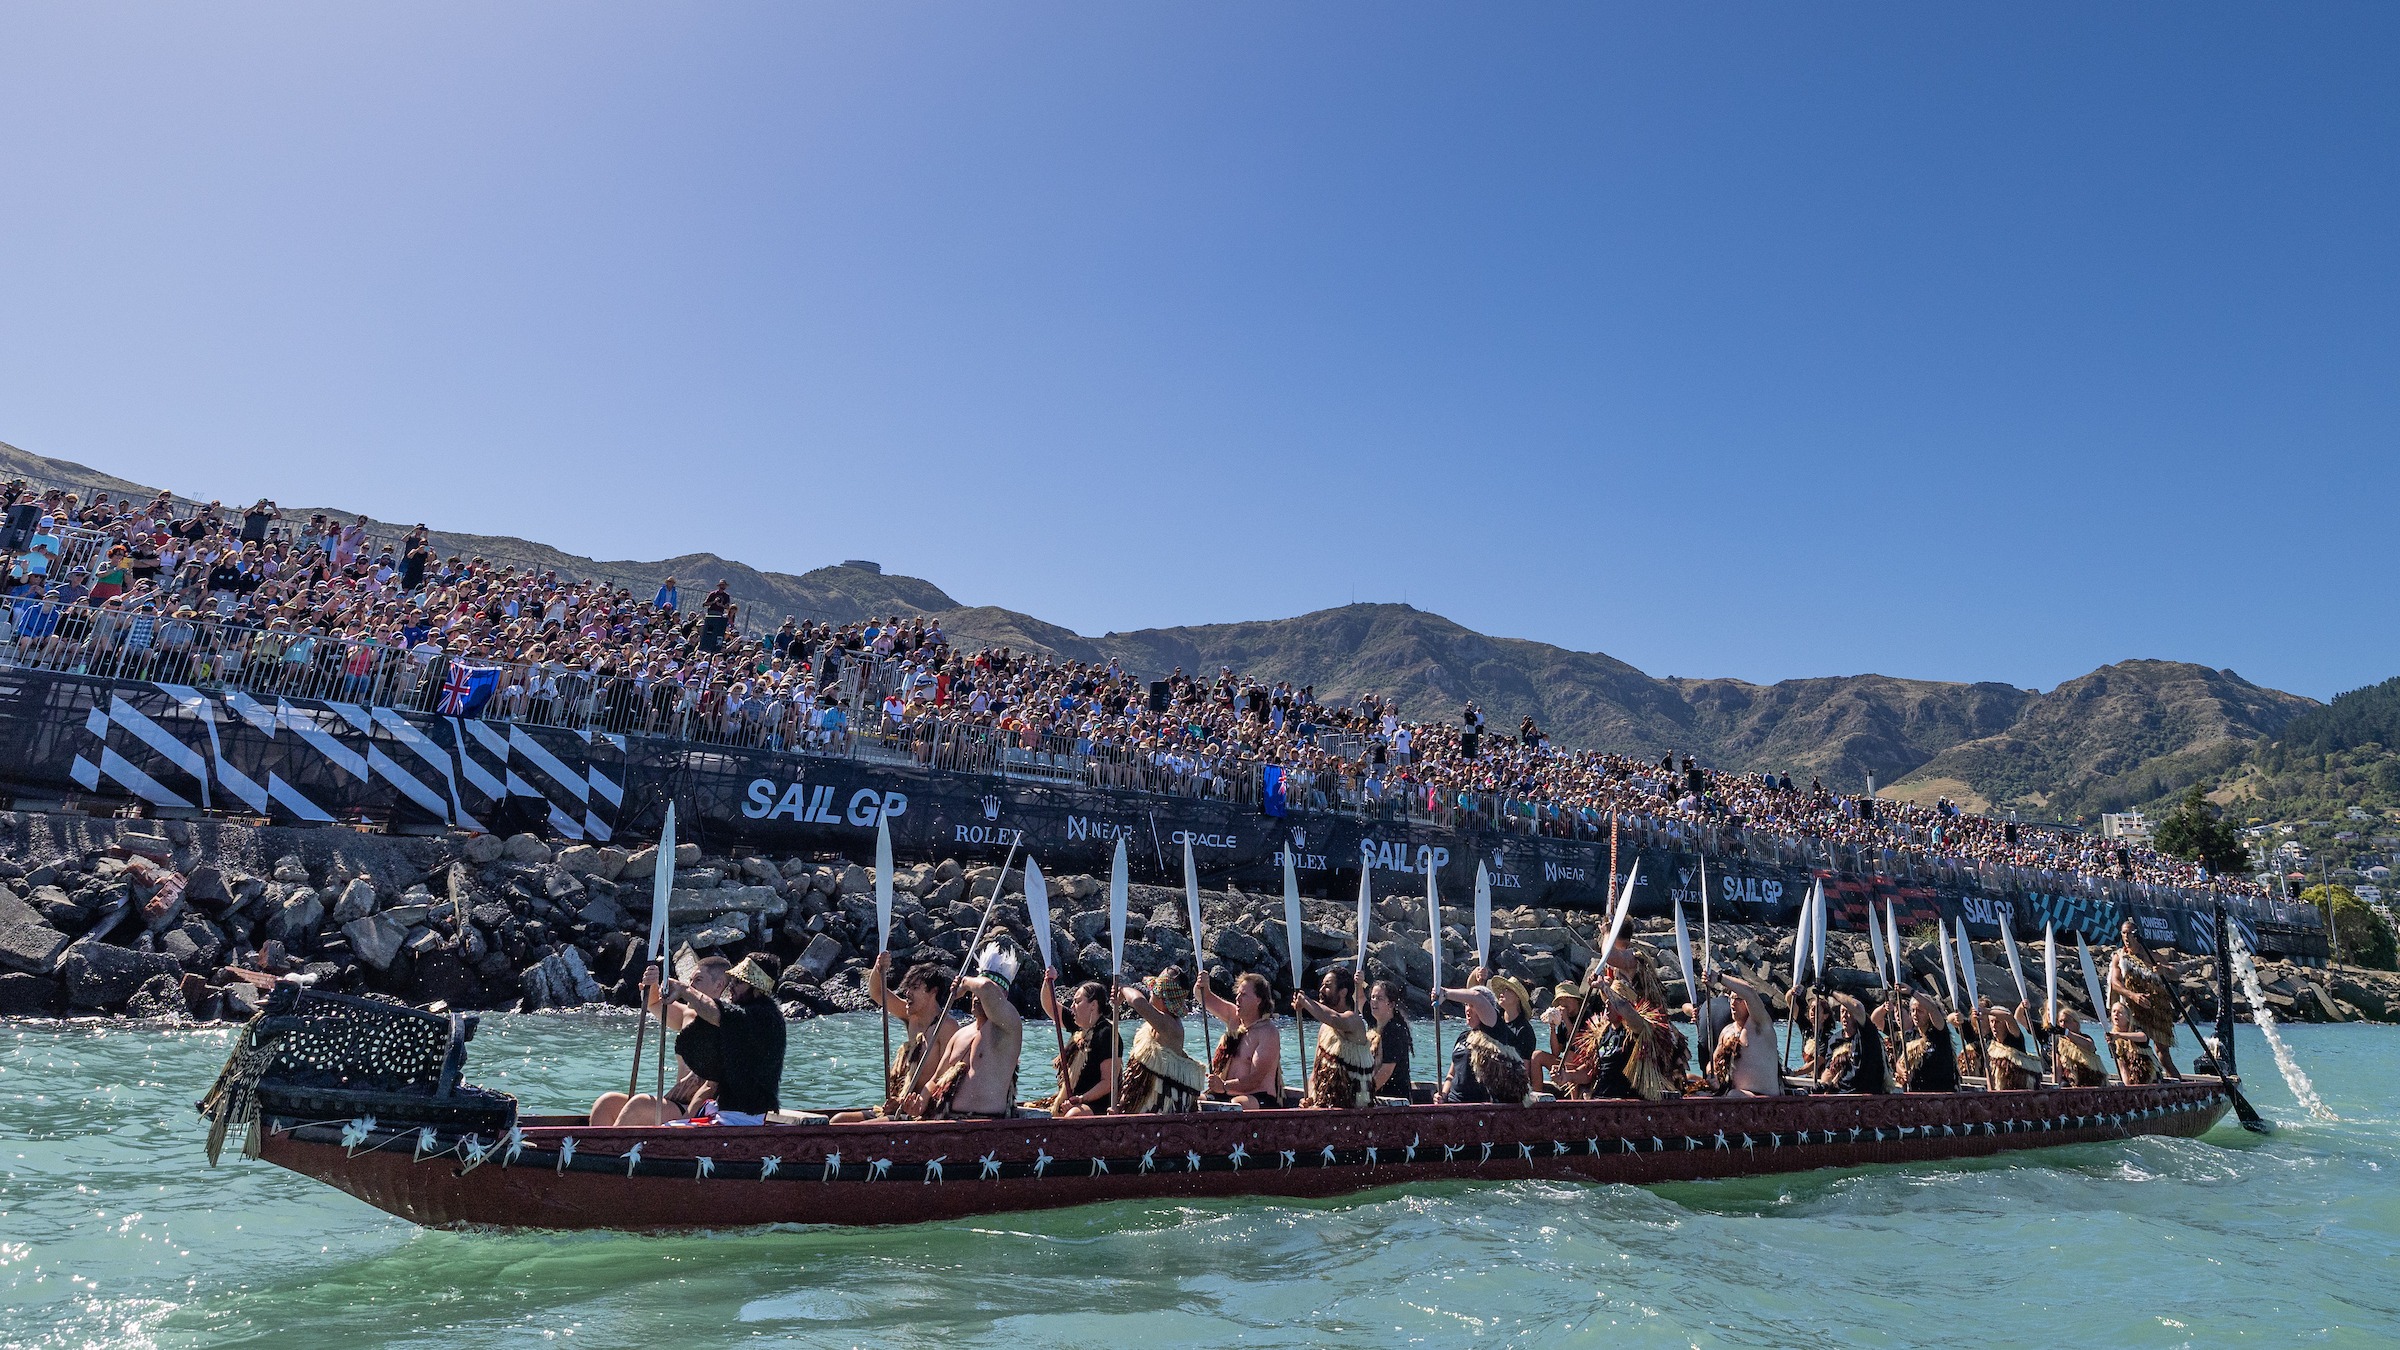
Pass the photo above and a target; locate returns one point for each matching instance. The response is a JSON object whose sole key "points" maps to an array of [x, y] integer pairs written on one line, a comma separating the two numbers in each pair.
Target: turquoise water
{"points": [[113, 1231]]}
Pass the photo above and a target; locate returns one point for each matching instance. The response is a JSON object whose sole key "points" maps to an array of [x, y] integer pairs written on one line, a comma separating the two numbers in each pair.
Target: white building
{"points": [[2130, 826]]}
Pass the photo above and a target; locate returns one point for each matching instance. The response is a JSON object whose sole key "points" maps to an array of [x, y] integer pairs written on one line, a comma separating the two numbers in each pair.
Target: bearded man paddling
{"points": [[1343, 1076]]}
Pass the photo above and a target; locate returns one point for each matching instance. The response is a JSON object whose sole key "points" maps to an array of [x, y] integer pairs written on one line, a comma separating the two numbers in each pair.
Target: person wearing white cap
{"points": [[1483, 1068]]}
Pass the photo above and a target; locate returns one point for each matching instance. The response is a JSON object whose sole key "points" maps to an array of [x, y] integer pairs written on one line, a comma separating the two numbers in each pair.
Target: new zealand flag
{"points": [[467, 688], [1271, 779]]}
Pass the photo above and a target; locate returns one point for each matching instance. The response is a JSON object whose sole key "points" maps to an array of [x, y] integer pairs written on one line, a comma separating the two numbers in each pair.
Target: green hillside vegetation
{"points": [[2362, 937], [2327, 760]]}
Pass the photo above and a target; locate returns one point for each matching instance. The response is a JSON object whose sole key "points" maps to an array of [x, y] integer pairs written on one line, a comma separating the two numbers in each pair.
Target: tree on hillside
{"points": [[2193, 833], [2364, 938]]}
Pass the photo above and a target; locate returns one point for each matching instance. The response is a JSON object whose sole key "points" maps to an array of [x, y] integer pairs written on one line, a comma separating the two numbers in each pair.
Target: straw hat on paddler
{"points": [[751, 973]]}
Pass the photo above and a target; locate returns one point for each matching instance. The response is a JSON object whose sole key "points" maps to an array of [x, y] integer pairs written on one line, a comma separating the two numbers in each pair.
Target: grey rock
{"points": [[242, 1000], [561, 886], [948, 891], [640, 865], [1144, 958], [855, 880], [760, 870], [1239, 949], [491, 916], [296, 920], [23, 995], [525, 848], [291, 871], [822, 954], [375, 940], [410, 916], [27, 942], [98, 975], [483, 849], [603, 912], [357, 901], [205, 886], [580, 860], [160, 998], [423, 941], [612, 863], [724, 932], [1090, 927]]}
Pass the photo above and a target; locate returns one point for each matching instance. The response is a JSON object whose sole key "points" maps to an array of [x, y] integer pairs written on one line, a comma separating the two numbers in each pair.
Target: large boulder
{"points": [[27, 943], [822, 955], [581, 860], [97, 975], [723, 932], [295, 922], [24, 995], [205, 886], [1240, 949], [357, 901], [160, 998], [375, 940], [855, 880], [290, 870], [482, 849], [526, 849]]}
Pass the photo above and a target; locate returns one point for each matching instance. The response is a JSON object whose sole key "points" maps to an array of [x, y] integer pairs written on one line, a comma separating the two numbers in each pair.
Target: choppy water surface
{"points": [[114, 1231]]}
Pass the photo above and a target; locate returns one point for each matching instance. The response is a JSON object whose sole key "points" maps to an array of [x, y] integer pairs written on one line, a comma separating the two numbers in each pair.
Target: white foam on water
{"points": [[2293, 1076]]}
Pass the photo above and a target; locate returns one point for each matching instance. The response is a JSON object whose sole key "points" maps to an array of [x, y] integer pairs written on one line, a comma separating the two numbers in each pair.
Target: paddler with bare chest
{"points": [[977, 1076], [1248, 1064]]}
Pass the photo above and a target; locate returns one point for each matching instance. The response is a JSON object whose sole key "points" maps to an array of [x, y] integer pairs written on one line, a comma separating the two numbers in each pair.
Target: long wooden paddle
{"points": [[883, 931]]}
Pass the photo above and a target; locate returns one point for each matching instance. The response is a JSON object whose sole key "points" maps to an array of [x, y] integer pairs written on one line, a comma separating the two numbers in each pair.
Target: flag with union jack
{"points": [[467, 688]]}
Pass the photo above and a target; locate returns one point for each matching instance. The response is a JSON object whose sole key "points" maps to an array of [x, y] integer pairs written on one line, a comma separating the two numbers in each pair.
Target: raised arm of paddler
{"points": [[878, 989]]}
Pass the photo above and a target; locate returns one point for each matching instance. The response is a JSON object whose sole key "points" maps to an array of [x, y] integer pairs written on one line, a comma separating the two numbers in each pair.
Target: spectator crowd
{"points": [[185, 593]]}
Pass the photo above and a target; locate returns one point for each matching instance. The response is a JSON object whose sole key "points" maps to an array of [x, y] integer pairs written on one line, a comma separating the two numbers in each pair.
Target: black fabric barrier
{"points": [[176, 748]]}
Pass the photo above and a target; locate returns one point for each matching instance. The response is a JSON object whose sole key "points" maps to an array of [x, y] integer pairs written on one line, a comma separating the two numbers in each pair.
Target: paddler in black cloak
{"points": [[1929, 1058], [923, 994], [1087, 1065], [1854, 1059], [1343, 1075], [1483, 1067], [1159, 1076]]}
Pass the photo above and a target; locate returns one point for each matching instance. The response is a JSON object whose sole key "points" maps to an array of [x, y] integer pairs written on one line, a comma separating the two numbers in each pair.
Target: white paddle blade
{"points": [[1800, 931], [1616, 925], [1941, 941], [1117, 884], [1037, 911], [662, 886], [1891, 935], [1191, 899], [1483, 915], [1683, 957], [2016, 967], [1966, 964], [2050, 971], [1875, 943], [2091, 982], [883, 882], [1291, 918], [1365, 914], [1433, 929], [1816, 941]]}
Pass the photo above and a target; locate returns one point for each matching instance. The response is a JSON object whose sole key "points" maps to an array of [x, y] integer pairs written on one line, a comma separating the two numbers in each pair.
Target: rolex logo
{"points": [[991, 808], [1299, 839]]}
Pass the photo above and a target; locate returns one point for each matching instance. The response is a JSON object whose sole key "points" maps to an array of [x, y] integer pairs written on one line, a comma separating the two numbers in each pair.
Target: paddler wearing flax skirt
{"points": [[1343, 1074], [1159, 1076]]}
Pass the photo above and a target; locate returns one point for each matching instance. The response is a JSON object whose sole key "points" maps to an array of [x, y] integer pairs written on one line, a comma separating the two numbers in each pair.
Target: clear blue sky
{"points": [[1971, 342]]}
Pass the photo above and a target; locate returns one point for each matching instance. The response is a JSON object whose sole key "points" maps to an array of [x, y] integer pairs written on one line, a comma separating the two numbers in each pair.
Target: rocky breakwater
{"points": [[194, 920]]}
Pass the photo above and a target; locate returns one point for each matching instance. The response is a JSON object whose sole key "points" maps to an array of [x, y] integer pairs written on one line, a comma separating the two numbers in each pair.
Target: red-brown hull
{"points": [[998, 1166]]}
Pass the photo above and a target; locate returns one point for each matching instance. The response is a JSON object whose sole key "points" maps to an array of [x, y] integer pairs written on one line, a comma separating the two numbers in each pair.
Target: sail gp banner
{"points": [[181, 748]]}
